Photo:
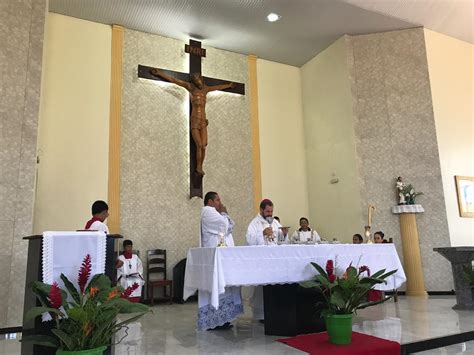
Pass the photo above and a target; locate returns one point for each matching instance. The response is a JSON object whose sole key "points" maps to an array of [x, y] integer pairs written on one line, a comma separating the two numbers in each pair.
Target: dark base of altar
{"points": [[291, 310]]}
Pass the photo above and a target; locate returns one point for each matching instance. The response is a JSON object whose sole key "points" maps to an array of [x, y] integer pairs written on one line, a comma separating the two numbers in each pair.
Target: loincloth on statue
{"points": [[199, 124]]}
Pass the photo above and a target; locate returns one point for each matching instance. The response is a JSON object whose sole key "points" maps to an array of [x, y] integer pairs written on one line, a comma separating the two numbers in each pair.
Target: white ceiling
{"points": [[307, 26]]}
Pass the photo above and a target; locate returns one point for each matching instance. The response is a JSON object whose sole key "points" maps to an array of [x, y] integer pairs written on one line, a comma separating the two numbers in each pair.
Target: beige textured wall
{"points": [[335, 209], [282, 151], [21, 38], [156, 211], [74, 122], [396, 136], [450, 64]]}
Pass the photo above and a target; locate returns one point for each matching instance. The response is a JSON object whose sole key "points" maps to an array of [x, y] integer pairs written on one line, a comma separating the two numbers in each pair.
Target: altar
{"points": [[214, 269]]}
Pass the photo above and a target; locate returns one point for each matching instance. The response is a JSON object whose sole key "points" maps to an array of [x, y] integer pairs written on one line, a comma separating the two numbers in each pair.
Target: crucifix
{"points": [[198, 86]]}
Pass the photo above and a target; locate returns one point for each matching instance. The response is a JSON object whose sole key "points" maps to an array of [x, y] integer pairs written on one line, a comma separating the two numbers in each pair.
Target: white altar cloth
{"points": [[213, 269]]}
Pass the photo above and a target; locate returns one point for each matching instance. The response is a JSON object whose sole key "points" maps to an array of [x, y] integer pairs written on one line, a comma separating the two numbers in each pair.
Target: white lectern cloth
{"points": [[63, 252]]}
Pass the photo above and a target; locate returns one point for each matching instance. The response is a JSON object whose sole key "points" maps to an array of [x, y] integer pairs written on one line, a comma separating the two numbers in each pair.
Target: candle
{"points": [[371, 210]]}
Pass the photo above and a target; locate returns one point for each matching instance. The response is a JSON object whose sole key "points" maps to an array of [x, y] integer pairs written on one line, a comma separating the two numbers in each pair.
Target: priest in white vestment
{"points": [[130, 271], [305, 233], [263, 230], [216, 230]]}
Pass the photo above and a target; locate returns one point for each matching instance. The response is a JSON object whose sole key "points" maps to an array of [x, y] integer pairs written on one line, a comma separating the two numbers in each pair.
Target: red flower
{"points": [[84, 273], [55, 298], [129, 290], [364, 268], [330, 267], [332, 278]]}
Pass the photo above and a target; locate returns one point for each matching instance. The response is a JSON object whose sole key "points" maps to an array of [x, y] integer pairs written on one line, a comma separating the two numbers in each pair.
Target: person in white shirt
{"points": [[305, 233], [100, 212], [262, 230], [130, 271], [215, 223], [216, 230]]}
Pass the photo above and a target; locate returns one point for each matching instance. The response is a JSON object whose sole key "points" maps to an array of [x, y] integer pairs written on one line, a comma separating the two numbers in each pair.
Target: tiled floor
{"points": [[171, 329]]}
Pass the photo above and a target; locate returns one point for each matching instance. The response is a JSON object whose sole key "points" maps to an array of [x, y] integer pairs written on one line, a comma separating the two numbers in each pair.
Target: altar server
{"points": [[130, 271], [216, 230], [100, 212], [305, 233]]}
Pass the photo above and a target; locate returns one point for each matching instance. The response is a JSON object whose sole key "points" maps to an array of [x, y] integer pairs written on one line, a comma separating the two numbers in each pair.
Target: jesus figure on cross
{"points": [[198, 91]]}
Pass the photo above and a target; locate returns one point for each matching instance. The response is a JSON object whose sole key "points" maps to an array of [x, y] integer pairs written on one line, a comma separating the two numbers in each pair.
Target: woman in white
{"points": [[305, 233], [130, 271]]}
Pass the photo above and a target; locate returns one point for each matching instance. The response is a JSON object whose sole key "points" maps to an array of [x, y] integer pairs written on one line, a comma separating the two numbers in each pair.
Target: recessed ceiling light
{"points": [[272, 17]]}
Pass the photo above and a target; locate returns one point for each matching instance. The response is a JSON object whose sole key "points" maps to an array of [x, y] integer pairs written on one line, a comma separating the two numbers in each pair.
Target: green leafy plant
{"points": [[88, 319], [468, 274], [347, 293], [410, 194]]}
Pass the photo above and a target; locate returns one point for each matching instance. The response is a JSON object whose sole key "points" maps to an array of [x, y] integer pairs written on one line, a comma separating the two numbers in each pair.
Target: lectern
{"points": [[34, 272]]}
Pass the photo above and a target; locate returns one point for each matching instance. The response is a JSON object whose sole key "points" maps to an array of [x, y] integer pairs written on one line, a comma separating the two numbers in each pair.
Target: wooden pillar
{"points": [[412, 256], [115, 125], [254, 123]]}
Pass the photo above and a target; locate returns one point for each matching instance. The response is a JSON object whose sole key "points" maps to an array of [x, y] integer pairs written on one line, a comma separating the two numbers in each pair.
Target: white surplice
{"points": [[99, 226], [130, 272], [230, 302], [305, 236], [255, 237]]}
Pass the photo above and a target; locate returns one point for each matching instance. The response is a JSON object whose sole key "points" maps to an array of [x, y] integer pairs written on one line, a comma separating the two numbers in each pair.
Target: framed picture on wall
{"points": [[465, 190]]}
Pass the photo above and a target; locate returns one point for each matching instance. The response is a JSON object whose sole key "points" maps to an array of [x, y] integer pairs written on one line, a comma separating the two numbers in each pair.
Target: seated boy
{"points": [[130, 271]]}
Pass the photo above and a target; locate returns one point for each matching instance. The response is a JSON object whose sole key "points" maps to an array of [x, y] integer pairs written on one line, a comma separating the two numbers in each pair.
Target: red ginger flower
{"points": [[364, 268], [332, 278], [129, 290], [84, 273], [330, 267], [55, 298]]}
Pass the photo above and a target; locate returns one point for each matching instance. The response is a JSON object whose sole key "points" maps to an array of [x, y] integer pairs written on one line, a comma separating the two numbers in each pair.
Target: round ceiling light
{"points": [[272, 17]]}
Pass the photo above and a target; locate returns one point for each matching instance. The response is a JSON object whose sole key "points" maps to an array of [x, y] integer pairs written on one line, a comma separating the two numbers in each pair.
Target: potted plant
{"points": [[344, 295], [84, 319]]}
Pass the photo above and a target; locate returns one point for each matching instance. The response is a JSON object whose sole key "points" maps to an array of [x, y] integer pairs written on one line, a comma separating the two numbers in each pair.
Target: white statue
{"points": [[400, 188]]}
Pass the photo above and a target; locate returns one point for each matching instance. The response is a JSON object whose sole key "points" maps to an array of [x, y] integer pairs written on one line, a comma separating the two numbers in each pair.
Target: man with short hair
{"points": [[215, 222], [216, 230], [100, 212], [263, 230]]}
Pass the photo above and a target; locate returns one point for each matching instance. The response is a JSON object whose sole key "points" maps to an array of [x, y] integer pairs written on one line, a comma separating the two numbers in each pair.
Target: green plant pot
{"points": [[97, 351], [339, 327]]}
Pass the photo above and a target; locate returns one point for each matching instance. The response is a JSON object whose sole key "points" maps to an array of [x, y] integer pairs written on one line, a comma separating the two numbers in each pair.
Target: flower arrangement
{"points": [[347, 293], [87, 320], [410, 194]]}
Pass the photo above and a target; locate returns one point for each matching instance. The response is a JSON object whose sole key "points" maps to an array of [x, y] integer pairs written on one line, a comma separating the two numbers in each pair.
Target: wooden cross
{"points": [[188, 81]]}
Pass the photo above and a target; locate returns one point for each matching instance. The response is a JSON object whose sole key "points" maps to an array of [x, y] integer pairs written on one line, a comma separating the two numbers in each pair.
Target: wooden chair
{"points": [[157, 268]]}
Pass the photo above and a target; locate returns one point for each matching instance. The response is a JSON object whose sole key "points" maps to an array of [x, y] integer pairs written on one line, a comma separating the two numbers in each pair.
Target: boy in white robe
{"points": [[100, 212], [216, 230], [130, 271]]}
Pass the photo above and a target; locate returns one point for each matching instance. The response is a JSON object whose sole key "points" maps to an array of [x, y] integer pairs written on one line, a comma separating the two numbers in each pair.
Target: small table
{"points": [[459, 256]]}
